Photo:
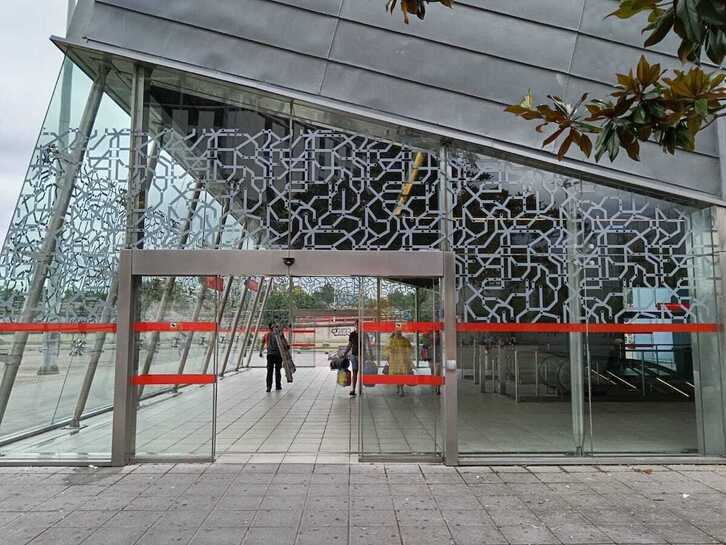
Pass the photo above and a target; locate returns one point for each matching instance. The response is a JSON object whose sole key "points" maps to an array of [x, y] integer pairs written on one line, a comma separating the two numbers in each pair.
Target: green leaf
{"points": [[687, 13], [702, 107], [661, 29]]}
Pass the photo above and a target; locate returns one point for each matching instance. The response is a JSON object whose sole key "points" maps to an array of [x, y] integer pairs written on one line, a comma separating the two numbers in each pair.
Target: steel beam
{"points": [[235, 325], [268, 290], [248, 325], [46, 254]]}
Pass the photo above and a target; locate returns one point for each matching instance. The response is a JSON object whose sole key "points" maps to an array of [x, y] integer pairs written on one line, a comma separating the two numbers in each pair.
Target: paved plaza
{"points": [[362, 504]]}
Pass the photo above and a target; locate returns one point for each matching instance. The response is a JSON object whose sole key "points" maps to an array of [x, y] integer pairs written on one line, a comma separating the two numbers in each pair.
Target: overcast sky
{"points": [[29, 66]]}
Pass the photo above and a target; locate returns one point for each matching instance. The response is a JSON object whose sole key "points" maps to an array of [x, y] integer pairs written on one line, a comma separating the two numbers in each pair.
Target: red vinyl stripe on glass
{"points": [[56, 327], [164, 380], [405, 327], [403, 380], [142, 327], [471, 327]]}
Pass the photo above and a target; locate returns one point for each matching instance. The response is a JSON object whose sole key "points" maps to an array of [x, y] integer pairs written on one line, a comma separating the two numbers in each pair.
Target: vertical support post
{"points": [[268, 291], [378, 320], [416, 318], [574, 283], [124, 404], [709, 372], [72, 163], [248, 326], [450, 401]]}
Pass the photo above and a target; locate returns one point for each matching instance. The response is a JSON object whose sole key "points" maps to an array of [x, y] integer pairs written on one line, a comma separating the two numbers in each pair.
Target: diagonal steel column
{"points": [[248, 325], [235, 325], [154, 153], [46, 254], [215, 333], [171, 282], [270, 284], [203, 293]]}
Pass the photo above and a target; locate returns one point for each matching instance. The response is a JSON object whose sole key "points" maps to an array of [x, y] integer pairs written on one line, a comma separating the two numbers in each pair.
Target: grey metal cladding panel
{"points": [[207, 49], [331, 7], [440, 65], [596, 22], [561, 13], [601, 60], [485, 118], [485, 32], [271, 23], [421, 102]]}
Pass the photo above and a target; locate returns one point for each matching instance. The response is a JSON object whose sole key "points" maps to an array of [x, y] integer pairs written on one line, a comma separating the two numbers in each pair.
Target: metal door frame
{"points": [[135, 263]]}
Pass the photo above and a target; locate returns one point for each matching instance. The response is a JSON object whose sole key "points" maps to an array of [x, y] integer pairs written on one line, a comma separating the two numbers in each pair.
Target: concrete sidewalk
{"points": [[360, 504]]}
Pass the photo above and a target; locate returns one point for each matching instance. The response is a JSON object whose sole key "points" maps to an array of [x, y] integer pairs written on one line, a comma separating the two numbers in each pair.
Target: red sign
{"points": [[214, 282], [251, 284]]}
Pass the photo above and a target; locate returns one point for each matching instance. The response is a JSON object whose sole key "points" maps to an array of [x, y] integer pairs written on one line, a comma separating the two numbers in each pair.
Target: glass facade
{"points": [[587, 314]]}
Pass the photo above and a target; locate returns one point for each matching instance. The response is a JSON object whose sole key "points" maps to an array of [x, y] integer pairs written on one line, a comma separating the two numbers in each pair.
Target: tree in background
{"points": [[648, 103]]}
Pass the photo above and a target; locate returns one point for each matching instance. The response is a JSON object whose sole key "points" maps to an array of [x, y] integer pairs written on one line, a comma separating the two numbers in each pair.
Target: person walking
{"points": [[399, 354], [352, 349], [274, 356]]}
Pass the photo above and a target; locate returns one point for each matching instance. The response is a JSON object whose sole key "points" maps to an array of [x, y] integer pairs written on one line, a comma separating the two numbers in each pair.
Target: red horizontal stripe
{"points": [[471, 327], [56, 327], [302, 345], [140, 380], [142, 327], [406, 327], [403, 380]]}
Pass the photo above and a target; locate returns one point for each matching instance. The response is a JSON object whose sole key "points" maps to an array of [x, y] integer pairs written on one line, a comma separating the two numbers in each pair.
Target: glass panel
{"points": [[512, 242], [641, 306], [178, 363], [400, 408], [59, 336]]}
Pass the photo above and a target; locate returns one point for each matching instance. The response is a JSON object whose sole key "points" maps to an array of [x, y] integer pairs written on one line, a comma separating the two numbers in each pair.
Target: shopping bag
{"points": [[370, 368], [344, 377]]}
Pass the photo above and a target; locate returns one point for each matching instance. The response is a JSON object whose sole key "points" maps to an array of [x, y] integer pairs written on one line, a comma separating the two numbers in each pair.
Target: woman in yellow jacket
{"points": [[399, 354]]}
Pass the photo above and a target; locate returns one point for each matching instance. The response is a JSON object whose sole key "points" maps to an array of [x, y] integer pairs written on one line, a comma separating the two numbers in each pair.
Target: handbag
{"points": [[344, 378]]}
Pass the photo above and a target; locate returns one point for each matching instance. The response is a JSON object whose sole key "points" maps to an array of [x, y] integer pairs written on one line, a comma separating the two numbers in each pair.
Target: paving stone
{"points": [[478, 535], [107, 535], [371, 517], [419, 517], [167, 536], [375, 535], [466, 518], [631, 533], [329, 535], [681, 532], [528, 534], [61, 536], [133, 519], [569, 533], [425, 535], [289, 518], [218, 536], [270, 536], [228, 518], [321, 518], [85, 519]]}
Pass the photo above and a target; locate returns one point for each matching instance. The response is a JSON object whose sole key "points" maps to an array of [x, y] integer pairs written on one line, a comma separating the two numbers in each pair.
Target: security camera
{"points": [[289, 261]]}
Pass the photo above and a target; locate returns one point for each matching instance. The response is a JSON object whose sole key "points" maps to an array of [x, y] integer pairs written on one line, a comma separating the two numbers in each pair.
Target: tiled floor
{"points": [[362, 504], [314, 420]]}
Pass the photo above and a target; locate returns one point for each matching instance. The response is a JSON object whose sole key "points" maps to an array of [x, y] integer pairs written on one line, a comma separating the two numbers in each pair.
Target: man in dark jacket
{"points": [[274, 357]]}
